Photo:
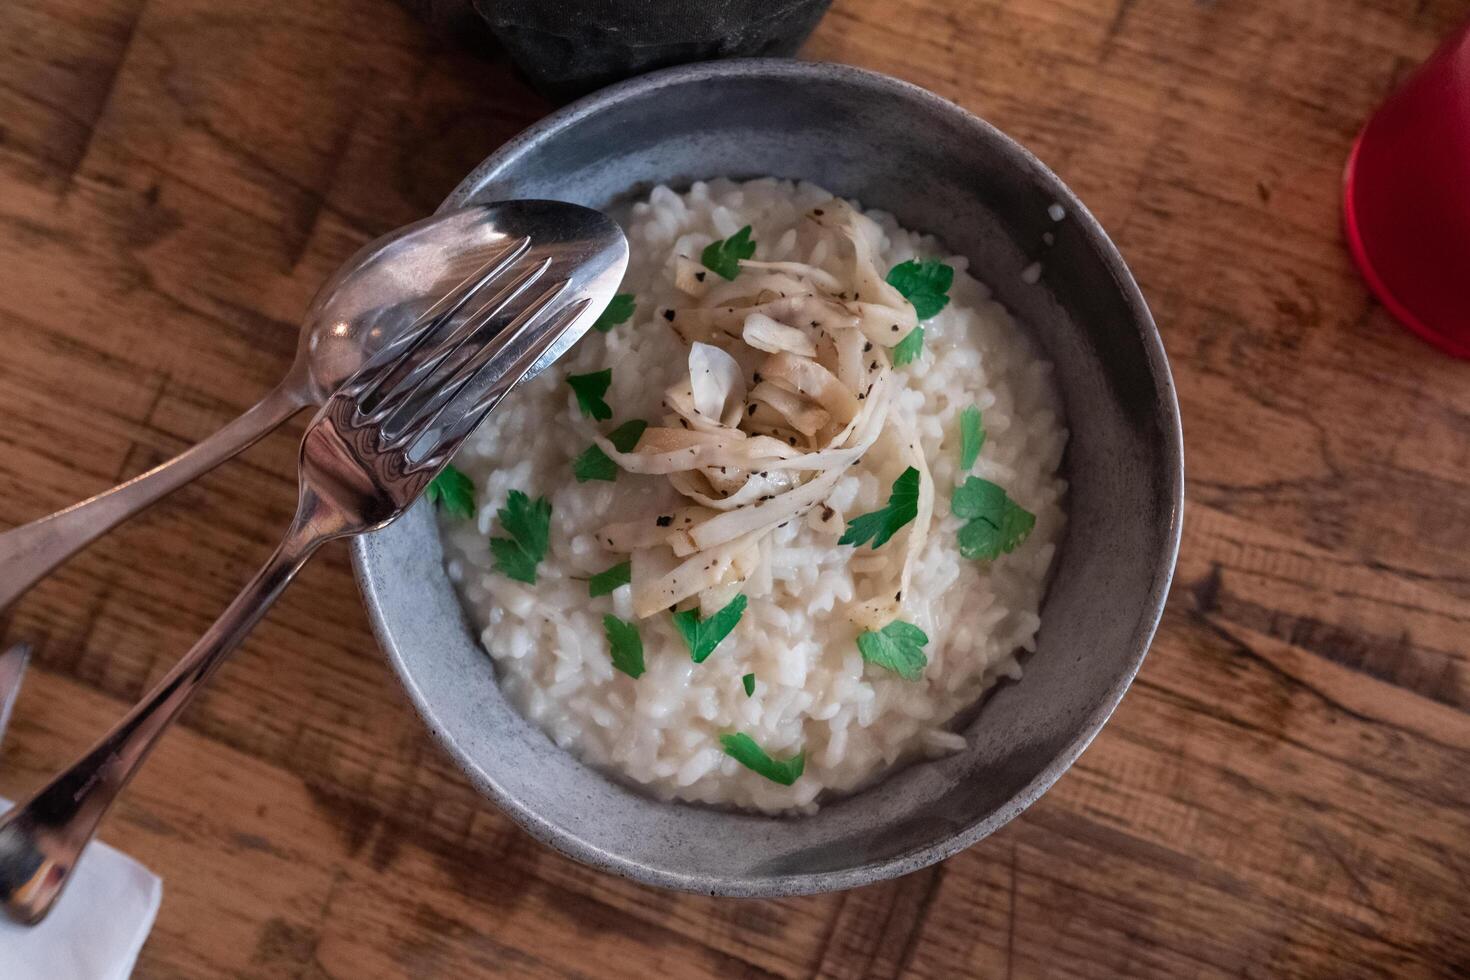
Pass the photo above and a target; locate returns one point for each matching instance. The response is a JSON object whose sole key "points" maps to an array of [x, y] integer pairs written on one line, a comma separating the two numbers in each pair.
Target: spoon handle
{"points": [[42, 838], [29, 552]]}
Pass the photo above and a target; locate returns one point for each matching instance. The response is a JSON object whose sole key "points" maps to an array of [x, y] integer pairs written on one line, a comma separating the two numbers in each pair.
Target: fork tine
{"points": [[416, 418], [383, 362], [381, 365], [451, 436], [412, 384], [530, 362]]}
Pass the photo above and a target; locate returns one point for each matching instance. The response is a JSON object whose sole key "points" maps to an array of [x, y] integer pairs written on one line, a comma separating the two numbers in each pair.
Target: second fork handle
{"points": [[29, 552], [42, 838]]}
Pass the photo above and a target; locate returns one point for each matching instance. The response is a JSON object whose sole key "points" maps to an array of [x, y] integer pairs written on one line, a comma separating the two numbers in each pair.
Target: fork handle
{"points": [[42, 838], [29, 552]]}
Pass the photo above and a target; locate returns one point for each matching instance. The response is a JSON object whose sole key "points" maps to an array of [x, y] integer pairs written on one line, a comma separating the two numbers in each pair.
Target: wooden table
{"points": [[1284, 792]]}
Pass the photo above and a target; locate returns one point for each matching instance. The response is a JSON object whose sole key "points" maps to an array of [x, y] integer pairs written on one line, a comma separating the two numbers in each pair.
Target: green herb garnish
{"points": [[723, 257], [589, 389], [748, 682], [924, 283], [620, 310], [594, 464], [528, 523], [898, 647], [454, 492], [997, 525], [607, 582], [907, 349], [972, 437], [742, 749], [625, 437], [880, 525], [626, 646], [703, 635]]}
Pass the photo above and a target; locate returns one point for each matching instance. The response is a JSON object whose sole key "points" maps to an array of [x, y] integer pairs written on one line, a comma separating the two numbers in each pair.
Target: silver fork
{"points": [[12, 668], [369, 453]]}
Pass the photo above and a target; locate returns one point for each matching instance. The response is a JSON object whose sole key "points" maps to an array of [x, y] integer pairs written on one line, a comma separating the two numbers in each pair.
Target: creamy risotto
{"points": [[758, 538]]}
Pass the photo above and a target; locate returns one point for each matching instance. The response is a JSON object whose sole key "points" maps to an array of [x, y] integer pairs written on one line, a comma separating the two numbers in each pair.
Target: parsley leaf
{"points": [[529, 524], [702, 636], [723, 257], [625, 437], [748, 682], [453, 491], [924, 283], [742, 749], [978, 498], [608, 581], [589, 389], [908, 348], [594, 464], [512, 562], [880, 525], [972, 437], [626, 646], [620, 310], [898, 647], [998, 525]]}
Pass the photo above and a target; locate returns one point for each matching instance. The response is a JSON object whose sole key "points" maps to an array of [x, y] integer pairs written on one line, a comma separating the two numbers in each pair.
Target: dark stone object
{"points": [[449, 18], [567, 48], [986, 197]]}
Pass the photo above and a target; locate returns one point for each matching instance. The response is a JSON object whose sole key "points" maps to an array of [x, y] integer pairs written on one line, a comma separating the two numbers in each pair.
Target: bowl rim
{"points": [[1170, 434]]}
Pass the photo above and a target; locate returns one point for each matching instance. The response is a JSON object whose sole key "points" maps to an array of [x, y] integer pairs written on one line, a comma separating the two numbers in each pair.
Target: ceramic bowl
{"points": [[940, 170]]}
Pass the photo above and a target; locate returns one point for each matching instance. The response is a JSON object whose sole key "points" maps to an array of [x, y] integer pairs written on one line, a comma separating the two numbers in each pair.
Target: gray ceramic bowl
{"points": [[941, 170]]}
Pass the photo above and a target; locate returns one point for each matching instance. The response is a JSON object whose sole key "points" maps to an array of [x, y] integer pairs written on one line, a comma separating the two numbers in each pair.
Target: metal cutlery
{"points": [[372, 449], [12, 668], [375, 296]]}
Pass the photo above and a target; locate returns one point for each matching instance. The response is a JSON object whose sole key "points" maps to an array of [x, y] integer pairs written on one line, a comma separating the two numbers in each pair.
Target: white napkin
{"points": [[96, 928]]}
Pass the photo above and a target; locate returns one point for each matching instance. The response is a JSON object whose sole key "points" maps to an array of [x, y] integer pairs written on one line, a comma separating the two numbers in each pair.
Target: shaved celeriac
{"points": [[763, 333], [786, 388], [796, 411], [717, 385], [811, 273]]}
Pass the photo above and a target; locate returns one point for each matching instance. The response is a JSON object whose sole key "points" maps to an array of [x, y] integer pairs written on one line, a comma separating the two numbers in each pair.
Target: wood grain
{"points": [[1284, 792]]}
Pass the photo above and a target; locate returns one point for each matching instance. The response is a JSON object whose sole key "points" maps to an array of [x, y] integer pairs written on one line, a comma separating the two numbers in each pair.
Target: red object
{"points": [[1406, 199]]}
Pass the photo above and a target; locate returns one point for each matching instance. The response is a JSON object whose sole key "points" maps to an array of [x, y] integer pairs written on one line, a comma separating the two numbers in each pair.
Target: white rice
{"points": [[813, 691]]}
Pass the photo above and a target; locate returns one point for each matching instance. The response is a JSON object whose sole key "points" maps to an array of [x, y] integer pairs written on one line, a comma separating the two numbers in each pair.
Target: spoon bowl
{"points": [[387, 284]]}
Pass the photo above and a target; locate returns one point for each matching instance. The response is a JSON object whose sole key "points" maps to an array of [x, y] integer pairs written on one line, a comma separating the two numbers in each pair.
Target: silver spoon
{"points": [[375, 295], [368, 454]]}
